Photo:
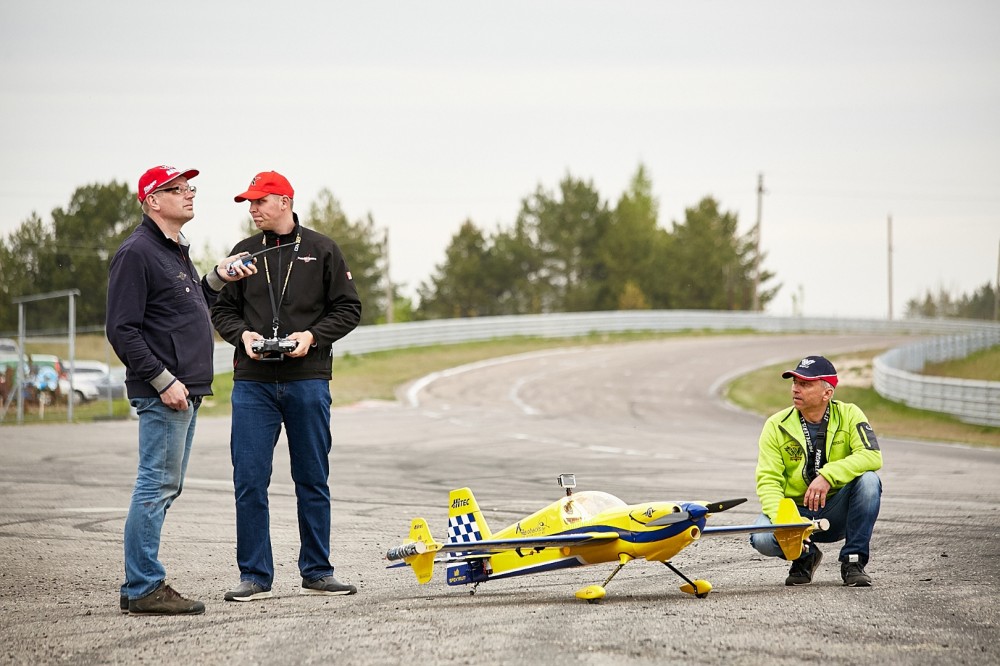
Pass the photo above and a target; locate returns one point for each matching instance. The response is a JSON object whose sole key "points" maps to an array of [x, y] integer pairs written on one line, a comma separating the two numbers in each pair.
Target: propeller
{"points": [[724, 505]]}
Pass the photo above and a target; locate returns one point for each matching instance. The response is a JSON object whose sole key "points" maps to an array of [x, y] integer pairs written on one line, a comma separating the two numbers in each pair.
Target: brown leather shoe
{"points": [[164, 600]]}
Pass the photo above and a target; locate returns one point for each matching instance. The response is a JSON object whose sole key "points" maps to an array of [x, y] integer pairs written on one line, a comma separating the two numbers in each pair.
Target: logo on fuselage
{"points": [[530, 531]]}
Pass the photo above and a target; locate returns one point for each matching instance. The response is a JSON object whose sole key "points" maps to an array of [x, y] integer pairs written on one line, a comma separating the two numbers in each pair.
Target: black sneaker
{"points": [[327, 585], [165, 601], [248, 590], [123, 602], [803, 568], [853, 573]]}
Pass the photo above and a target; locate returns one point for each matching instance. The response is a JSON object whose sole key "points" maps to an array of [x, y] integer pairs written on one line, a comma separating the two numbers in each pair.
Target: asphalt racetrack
{"points": [[640, 420]]}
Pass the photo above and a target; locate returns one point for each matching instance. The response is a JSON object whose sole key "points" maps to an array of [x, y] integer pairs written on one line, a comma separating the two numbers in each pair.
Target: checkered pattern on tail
{"points": [[462, 529]]}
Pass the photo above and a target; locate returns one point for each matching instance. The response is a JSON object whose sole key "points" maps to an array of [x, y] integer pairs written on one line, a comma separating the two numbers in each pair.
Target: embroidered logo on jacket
{"points": [[794, 452], [307, 259]]}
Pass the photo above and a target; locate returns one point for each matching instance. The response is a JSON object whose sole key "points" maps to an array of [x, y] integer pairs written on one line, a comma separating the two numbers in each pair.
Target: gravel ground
{"points": [[640, 420]]}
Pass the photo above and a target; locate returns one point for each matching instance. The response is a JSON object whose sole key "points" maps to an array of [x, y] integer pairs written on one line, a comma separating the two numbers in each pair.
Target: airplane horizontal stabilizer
{"points": [[418, 551]]}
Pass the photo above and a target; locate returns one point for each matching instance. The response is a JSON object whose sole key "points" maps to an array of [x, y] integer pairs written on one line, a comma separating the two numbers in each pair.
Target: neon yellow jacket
{"points": [[851, 450]]}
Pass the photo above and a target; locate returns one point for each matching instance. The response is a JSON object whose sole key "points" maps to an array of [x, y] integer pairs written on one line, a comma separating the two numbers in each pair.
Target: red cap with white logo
{"points": [[159, 176]]}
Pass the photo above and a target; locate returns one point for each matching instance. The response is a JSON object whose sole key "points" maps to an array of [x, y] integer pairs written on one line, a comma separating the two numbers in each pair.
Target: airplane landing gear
{"points": [[699, 588]]}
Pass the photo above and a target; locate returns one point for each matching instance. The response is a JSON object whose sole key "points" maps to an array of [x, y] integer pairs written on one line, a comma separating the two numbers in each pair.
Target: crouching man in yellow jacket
{"points": [[823, 454]]}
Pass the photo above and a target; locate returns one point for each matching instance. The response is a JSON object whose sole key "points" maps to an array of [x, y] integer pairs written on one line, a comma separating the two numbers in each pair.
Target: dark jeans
{"points": [[259, 410], [852, 513]]}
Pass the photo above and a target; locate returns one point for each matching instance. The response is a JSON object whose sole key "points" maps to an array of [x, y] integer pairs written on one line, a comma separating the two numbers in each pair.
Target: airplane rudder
{"points": [[420, 531], [465, 515], [791, 539], [788, 512]]}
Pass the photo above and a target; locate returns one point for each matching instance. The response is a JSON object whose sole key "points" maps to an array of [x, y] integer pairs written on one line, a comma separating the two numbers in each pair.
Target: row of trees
{"points": [[566, 251], [570, 251], [981, 304]]}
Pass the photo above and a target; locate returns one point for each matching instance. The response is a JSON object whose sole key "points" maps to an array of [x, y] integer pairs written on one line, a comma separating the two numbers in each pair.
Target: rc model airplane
{"points": [[580, 529]]}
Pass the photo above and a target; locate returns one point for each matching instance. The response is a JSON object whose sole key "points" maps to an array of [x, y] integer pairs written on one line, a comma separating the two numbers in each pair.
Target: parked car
{"points": [[8, 360], [8, 346], [8, 376], [112, 384], [87, 377]]}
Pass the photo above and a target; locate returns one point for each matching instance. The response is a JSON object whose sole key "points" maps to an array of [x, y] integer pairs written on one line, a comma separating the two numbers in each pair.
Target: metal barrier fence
{"points": [[892, 381], [895, 376]]}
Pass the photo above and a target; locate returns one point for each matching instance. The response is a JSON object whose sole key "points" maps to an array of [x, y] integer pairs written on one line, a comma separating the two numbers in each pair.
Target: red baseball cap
{"points": [[159, 176], [264, 183]]}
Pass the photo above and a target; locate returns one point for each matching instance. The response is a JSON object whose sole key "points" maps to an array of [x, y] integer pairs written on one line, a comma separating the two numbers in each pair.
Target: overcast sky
{"points": [[425, 114]]}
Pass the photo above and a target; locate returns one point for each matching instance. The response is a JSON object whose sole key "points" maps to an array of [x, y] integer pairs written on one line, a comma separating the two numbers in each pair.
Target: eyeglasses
{"points": [[179, 189]]}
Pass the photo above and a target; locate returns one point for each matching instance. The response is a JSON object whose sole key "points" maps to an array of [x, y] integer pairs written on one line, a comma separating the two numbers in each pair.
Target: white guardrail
{"points": [[977, 400], [895, 376]]}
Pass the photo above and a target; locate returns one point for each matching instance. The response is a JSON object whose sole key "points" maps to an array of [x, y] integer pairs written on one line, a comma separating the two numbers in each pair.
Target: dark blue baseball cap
{"points": [[812, 368]]}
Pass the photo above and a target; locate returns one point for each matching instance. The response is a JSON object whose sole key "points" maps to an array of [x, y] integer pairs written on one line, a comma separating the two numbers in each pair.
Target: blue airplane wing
{"points": [[552, 541]]}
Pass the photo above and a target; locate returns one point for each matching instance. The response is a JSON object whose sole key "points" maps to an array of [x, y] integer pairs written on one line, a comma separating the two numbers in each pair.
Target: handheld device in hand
{"points": [[280, 345], [247, 260]]}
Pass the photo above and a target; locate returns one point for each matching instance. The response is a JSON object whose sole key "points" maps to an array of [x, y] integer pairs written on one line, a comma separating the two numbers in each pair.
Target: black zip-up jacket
{"points": [[158, 319], [320, 297]]}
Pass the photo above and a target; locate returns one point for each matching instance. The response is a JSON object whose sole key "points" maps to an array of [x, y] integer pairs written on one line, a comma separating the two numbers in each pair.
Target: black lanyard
{"points": [[288, 274], [815, 453]]}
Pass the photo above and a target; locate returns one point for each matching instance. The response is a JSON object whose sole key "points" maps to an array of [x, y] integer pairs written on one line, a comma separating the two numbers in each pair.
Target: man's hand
{"points": [[232, 268], [248, 339], [815, 497], [176, 397], [304, 340]]}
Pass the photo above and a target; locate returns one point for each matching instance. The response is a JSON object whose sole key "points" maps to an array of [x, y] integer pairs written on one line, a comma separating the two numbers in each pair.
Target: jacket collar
{"points": [[791, 424], [161, 237]]}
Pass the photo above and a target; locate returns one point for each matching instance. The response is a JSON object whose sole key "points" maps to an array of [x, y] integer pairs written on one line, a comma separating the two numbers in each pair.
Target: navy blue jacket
{"points": [[158, 319]]}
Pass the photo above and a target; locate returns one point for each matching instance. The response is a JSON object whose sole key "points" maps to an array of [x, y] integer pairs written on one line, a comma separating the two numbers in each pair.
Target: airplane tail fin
{"points": [[466, 522], [791, 538], [418, 551]]}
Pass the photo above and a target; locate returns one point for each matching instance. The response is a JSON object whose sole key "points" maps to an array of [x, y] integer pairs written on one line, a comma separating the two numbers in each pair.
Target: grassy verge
{"points": [[983, 365]]}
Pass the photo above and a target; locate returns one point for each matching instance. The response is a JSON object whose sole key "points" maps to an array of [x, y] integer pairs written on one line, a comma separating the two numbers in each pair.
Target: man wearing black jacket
{"points": [[283, 323], [158, 324]]}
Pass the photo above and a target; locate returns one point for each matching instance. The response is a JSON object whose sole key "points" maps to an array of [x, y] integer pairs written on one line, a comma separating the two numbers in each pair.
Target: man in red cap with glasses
{"points": [[823, 454], [158, 323], [283, 323]]}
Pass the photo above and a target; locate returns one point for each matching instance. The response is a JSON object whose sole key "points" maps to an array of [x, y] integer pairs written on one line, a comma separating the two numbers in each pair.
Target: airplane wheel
{"points": [[700, 589], [591, 593]]}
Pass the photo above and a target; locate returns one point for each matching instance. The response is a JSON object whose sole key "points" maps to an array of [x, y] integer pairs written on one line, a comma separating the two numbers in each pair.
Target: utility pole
{"points": [[996, 292], [756, 258], [890, 266], [388, 282]]}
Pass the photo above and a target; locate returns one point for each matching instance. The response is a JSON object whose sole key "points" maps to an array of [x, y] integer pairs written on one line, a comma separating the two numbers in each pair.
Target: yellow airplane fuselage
{"points": [[587, 512]]}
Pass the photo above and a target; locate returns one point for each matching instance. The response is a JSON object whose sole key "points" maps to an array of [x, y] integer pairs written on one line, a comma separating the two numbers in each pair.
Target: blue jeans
{"points": [[852, 513], [165, 438], [259, 409]]}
